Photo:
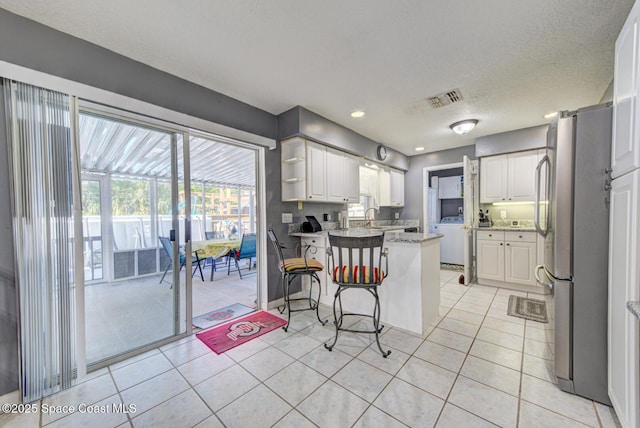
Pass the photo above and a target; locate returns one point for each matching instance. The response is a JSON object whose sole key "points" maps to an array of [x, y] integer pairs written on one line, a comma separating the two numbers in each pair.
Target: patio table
{"points": [[214, 249]]}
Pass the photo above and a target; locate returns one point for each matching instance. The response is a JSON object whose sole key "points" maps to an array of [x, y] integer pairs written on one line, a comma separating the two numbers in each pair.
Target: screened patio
{"points": [[127, 181]]}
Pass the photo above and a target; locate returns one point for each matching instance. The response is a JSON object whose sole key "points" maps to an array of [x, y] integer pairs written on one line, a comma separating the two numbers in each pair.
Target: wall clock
{"points": [[381, 152]]}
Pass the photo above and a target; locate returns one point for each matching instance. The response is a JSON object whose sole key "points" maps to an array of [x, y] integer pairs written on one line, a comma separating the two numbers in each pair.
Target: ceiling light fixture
{"points": [[551, 115], [357, 113], [419, 149], [463, 126]]}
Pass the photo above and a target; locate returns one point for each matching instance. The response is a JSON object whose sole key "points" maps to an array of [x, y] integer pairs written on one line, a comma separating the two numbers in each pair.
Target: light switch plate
{"points": [[396, 216], [287, 217]]}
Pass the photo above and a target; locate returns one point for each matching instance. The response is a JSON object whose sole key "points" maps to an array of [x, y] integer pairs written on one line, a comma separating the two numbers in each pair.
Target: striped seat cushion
{"points": [[298, 264], [341, 274]]}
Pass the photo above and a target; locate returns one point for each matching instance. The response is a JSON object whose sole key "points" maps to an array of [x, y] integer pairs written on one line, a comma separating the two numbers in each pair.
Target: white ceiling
{"points": [[512, 61]]}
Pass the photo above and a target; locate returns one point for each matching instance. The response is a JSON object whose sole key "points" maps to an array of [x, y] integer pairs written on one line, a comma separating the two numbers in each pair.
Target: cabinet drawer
{"points": [[490, 235], [520, 236]]}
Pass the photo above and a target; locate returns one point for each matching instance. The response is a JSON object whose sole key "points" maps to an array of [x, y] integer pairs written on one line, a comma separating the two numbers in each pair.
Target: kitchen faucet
{"points": [[370, 221]]}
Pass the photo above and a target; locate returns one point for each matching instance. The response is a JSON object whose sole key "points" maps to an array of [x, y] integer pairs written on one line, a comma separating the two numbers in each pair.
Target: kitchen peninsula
{"points": [[410, 294]]}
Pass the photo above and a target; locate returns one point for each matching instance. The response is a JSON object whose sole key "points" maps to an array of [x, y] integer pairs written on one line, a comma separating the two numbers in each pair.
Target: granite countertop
{"points": [[508, 229], [389, 236], [410, 237], [634, 308]]}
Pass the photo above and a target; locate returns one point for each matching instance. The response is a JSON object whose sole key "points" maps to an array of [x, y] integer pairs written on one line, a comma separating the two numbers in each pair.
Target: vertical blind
{"points": [[40, 163]]}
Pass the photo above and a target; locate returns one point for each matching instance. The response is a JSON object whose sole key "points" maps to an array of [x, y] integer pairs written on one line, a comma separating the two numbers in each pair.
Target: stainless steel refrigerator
{"points": [[572, 214]]}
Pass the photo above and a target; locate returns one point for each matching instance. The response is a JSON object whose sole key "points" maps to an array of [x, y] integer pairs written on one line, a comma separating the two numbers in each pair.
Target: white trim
{"points": [[37, 78], [262, 299], [425, 197]]}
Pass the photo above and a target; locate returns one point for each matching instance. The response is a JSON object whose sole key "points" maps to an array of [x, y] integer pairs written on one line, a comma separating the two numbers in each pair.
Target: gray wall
{"points": [[33, 45], [534, 137], [8, 301], [413, 185], [305, 123]]}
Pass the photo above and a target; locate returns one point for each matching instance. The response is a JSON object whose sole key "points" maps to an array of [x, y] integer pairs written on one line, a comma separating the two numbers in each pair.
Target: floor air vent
{"points": [[445, 98]]}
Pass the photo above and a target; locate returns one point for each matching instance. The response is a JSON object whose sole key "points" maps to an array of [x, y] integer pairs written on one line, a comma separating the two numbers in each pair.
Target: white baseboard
{"points": [[537, 289]]}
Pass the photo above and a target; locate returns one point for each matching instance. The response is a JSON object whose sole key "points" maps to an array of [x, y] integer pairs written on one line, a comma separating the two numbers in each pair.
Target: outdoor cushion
{"points": [[341, 274], [298, 264]]}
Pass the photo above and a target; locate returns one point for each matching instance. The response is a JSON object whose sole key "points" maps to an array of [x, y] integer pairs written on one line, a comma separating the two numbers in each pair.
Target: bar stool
{"points": [[356, 264], [292, 268]]}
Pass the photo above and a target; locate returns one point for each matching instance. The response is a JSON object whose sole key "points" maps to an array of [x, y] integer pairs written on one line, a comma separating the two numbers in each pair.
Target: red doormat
{"points": [[224, 337]]}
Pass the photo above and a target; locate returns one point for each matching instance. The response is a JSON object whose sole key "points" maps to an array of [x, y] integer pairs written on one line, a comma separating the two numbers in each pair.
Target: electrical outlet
{"points": [[287, 217], [396, 216], [503, 215], [459, 210]]}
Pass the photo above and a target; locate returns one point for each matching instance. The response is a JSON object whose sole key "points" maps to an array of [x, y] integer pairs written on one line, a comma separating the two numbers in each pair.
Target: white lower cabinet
{"points": [[520, 262], [490, 259], [507, 257]]}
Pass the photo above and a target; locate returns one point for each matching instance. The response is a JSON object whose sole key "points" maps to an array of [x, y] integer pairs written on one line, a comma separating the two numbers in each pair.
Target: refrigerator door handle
{"points": [[549, 285], [536, 208]]}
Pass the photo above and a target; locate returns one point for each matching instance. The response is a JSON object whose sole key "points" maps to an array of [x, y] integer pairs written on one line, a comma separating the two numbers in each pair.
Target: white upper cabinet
{"points": [[336, 186], [293, 170], [521, 176], [508, 178], [391, 188], [397, 188], [316, 172], [343, 184], [384, 188], [352, 177], [493, 179], [625, 152]]}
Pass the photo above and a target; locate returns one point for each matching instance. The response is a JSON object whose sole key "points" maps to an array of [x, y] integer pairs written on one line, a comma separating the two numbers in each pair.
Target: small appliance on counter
{"points": [[483, 219], [312, 225]]}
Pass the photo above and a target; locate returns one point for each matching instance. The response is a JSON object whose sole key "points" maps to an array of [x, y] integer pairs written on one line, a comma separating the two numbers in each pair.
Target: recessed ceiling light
{"points": [[551, 115], [419, 149], [357, 113], [463, 126]]}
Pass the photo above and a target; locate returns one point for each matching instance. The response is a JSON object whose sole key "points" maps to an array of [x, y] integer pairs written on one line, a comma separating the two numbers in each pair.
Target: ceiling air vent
{"points": [[445, 98]]}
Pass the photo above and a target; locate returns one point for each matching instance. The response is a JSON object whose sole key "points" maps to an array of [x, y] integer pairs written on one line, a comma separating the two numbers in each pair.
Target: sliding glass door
{"points": [[134, 247]]}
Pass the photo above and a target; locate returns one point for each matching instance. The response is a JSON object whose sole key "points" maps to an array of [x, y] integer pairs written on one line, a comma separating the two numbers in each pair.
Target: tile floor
{"points": [[148, 306], [478, 367]]}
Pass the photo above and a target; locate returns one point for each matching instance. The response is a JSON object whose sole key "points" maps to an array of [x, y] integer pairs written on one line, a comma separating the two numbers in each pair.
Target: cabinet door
{"points": [[624, 276], [384, 188], [625, 151], [490, 260], [520, 262], [493, 179], [521, 176], [397, 188], [352, 177], [316, 172], [336, 188]]}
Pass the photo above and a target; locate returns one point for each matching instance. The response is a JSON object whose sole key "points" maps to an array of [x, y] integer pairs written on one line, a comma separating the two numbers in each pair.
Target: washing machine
{"points": [[452, 243]]}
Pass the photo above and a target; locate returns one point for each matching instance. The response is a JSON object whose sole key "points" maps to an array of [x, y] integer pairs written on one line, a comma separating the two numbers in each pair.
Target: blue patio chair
{"points": [[213, 261], [166, 244], [247, 251]]}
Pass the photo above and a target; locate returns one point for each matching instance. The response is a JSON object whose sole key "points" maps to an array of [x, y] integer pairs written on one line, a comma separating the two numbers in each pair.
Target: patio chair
{"points": [[166, 244], [292, 268], [223, 256], [247, 251], [356, 264]]}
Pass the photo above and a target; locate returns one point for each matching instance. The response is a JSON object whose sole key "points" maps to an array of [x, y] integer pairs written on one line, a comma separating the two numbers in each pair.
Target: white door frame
{"points": [[425, 186]]}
